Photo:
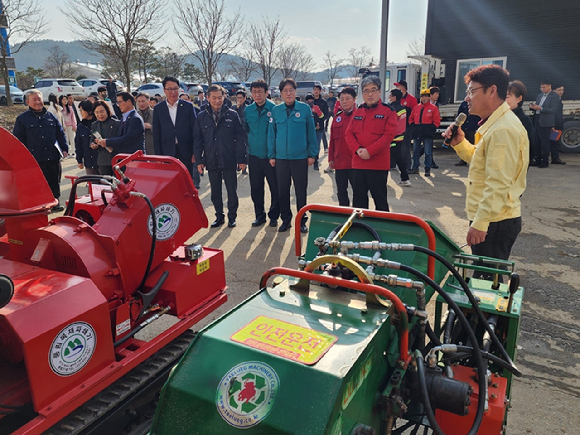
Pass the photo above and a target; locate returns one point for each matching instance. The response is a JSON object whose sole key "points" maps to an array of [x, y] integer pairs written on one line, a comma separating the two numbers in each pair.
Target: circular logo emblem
{"points": [[297, 114], [167, 220], [72, 349], [247, 393], [269, 114], [338, 119]]}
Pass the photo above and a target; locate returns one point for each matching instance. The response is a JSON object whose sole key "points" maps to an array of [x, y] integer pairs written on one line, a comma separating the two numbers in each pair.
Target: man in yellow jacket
{"points": [[498, 163]]}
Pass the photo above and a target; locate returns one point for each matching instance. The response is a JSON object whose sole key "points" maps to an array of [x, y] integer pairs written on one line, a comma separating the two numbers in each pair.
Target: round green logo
{"points": [[247, 393], [72, 348]]}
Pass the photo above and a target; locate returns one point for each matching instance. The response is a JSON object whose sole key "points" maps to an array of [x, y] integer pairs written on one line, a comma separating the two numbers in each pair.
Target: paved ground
{"points": [[547, 255]]}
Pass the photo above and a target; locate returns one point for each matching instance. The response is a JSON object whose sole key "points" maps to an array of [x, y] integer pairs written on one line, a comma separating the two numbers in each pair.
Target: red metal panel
{"points": [[493, 419]]}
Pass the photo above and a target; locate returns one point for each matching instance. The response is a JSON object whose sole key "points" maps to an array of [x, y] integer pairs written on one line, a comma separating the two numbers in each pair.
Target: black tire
{"points": [[570, 140], [3, 101]]}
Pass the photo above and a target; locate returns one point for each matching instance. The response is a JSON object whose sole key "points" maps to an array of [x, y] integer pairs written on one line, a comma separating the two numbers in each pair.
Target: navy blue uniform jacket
{"points": [[165, 133], [39, 133], [131, 135], [220, 145]]}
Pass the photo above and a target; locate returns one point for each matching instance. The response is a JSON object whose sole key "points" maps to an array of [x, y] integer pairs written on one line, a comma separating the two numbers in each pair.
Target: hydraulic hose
{"points": [[153, 237], [473, 302], [73, 191], [367, 227], [481, 368], [420, 362]]}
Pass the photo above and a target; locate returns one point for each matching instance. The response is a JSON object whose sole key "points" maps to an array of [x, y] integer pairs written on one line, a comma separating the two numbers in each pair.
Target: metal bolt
{"points": [[494, 396], [495, 385]]}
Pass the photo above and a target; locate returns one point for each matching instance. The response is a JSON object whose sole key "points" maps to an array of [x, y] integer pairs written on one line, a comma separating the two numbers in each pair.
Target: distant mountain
{"points": [[35, 52]]}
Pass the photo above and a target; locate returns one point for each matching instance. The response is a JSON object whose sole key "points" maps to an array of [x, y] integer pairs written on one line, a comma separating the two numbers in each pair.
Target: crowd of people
{"points": [[277, 143]]}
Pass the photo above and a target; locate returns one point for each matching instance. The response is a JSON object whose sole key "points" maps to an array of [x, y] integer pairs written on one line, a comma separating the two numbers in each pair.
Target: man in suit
{"points": [[547, 104], [132, 132], [173, 123], [220, 146]]}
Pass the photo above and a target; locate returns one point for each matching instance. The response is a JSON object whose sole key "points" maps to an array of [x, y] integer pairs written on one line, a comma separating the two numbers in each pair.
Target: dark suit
{"points": [[175, 140], [544, 121], [131, 135]]}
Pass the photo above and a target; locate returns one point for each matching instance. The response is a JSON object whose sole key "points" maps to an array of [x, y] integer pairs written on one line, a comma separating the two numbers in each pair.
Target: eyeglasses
{"points": [[120, 101], [171, 89], [469, 92], [371, 91]]}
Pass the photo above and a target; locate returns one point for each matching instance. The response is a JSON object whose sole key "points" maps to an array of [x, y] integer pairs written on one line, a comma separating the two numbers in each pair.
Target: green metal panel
{"points": [[328, 397], [492, 302]]}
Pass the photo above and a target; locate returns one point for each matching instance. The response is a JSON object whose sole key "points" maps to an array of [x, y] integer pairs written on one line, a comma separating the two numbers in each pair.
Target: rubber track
{"points": [[105, 401]]}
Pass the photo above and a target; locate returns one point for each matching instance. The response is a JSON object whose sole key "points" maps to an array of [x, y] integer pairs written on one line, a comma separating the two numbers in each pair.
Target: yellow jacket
{"points": [[498, 166]]}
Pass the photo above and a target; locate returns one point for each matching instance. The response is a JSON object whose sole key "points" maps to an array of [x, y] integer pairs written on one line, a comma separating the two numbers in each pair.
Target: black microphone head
{"points": [[460, 119]]}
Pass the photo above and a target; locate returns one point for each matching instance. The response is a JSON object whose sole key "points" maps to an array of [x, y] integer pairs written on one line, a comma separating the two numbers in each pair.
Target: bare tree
{"points": [[22, 19], [207, 33], [295, 61], [358, 59], [242, 65], [265, 39], [114, 27], [57, 64], [332, 66], [170, 63], [416, 48]]}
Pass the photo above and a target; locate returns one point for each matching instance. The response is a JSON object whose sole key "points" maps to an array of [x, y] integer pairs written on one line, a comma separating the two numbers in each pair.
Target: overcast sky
{"points": [[321, 25]]}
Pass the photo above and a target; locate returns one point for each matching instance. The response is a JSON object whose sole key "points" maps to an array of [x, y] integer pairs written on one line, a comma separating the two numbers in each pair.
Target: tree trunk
{"points": [[6, 80]]}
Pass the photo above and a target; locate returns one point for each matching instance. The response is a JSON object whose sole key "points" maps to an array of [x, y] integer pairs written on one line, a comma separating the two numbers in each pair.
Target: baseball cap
{"points": [[402, 83], [425, 92]]}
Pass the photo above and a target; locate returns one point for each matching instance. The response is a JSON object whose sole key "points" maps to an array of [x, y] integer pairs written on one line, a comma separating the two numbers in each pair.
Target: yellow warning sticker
{"points": [[485, 296], [285, 339], [202, 266]]}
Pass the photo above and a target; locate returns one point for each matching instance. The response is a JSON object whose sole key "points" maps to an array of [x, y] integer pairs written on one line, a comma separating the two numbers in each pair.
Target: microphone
{"points": [[458, 123]]}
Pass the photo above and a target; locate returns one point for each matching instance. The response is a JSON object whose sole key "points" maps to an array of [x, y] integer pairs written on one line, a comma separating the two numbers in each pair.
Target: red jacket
{"points": [[374, 129], [430, 115], [409, 101], [338, 151]]}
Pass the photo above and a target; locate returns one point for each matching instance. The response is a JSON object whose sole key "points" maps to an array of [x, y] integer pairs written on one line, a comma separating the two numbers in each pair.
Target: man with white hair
{"points": [[42, 134], [369, 136]]}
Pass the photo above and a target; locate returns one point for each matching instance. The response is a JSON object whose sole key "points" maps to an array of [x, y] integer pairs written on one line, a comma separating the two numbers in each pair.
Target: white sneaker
{"points": [[328, 170], [405, 183]]}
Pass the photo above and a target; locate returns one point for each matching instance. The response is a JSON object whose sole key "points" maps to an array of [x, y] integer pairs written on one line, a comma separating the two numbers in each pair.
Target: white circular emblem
{"points": [[72, 348], [167, 220], [338, 119], [247, 393], [297, 114], [269, 114]]}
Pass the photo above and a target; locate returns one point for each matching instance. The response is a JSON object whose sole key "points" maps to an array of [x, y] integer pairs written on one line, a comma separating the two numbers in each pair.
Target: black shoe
{"points": [[315, 166], [259, 222], [414, 171], [535, 163], [558, 162], [244, 172], [231, 223], [57, 208], [461, 163], [284, 227], [273, 222], [217, 223], [303, 228], [434, 166], [197, 187], [427, 173], [543, 165]]}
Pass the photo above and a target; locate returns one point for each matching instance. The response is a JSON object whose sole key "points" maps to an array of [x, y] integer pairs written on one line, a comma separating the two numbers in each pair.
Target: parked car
{"points": [[274, 91], [231, 87], [92, 85], [191, 88], [305, 88], [16, 95], [59, 87], [152, 89]]}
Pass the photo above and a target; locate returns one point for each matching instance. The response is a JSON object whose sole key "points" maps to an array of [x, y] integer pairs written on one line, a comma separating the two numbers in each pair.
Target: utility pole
{"points": [[383, 53]]}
